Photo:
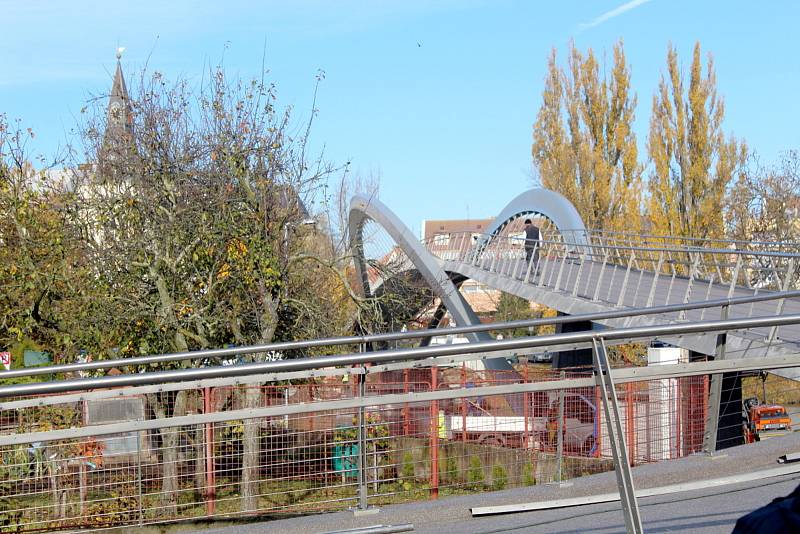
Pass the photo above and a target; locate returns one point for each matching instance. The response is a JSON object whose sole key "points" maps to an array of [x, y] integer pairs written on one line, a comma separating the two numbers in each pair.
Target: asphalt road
{"points": [[696, 511], [706, 511]]}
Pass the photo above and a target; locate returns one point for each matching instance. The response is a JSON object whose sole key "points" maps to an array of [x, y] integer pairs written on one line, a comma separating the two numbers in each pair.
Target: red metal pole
{"points": [[211, 483], [405, 406], [434, 439], [526, 408], [631, 422], [598, 421], [464, 403]]}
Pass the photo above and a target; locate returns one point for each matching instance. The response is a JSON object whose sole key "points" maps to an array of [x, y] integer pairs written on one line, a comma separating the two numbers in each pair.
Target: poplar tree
{"points": [[692, 161], [583, 143]]}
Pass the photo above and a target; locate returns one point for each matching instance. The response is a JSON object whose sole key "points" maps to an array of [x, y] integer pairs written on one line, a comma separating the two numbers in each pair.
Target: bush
{"points": [[499, 477], [407, 469], [407, 472], [527, 475], [451, 468], [475, 473]]}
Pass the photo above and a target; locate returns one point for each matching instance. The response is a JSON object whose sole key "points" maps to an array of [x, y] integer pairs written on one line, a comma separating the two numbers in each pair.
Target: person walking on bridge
{"points": [[531, 241]]}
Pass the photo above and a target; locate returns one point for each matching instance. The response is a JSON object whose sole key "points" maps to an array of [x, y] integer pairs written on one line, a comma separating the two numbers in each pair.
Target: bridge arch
{"points": [[363, 208], [542, 201]]}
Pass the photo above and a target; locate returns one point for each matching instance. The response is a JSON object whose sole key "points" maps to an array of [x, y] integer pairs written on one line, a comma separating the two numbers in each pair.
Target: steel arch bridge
{"points": [[582, 270]]}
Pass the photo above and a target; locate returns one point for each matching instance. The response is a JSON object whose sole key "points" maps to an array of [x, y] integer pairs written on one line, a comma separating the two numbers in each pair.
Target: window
{"points": [[441, 240]]}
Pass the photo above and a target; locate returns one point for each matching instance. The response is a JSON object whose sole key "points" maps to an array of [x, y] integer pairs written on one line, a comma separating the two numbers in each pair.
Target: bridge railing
{"points": [[314, 434], [613, 269], [654, 240]]}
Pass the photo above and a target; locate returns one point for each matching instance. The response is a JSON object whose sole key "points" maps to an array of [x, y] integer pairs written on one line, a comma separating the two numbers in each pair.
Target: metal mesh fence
{"points": [[303, 462]]}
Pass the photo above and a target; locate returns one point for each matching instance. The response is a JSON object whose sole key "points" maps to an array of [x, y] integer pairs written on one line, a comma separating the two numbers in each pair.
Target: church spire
{"points": [[118, 137], [119, 119]]}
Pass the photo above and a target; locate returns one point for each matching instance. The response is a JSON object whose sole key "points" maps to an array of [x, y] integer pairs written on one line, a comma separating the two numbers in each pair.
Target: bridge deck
{"points": [[591, 288]]}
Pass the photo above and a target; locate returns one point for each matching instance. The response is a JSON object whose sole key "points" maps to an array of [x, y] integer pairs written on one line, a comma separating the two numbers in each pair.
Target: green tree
{"points": [[583, 143], [513, 308], [693, 162], [42, 267], [194, 226]]}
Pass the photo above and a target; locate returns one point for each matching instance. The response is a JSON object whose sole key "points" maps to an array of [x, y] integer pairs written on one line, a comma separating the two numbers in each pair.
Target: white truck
{"points": [[475, 422]]}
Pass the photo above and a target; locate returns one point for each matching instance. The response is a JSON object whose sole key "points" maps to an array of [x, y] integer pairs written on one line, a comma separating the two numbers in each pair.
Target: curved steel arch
{"points": [[363, 208], [552, 205]]}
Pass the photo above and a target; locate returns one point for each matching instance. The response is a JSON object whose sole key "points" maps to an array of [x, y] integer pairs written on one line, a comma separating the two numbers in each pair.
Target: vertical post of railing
{"points": [[546, 262], [652, 295], [596, 295], [560, 442], [735, 275], [715, 394], [534, 255], [624, 287], [494, 258], [139, 477], [561, 268], [708, 294], [82, 476], [630, 506], [434, 440], [692, 274], [773, 332], [211, 491], [362, 439], [578, 276], [517, 262]]}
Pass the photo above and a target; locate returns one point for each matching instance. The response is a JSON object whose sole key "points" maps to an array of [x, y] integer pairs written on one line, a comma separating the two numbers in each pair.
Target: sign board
{"points": [[33, 358], [5, 359]]}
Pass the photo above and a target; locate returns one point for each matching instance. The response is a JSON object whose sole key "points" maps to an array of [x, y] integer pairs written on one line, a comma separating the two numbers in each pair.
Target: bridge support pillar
{"points": [[724, 411], [576, 357], [729, 428]]}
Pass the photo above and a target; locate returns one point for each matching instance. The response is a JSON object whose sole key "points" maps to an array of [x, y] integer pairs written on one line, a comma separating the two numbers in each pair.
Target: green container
{"points": [[345, 459]]}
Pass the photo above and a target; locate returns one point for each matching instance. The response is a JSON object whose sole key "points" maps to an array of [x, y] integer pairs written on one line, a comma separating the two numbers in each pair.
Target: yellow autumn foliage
{"points": [[583, 143]]}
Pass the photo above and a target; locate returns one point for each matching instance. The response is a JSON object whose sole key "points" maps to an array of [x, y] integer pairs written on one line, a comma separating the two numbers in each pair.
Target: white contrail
{"points": [[617, 11]]}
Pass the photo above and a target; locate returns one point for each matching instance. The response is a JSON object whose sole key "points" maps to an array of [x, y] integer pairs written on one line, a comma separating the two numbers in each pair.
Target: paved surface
{"points": [[714, 510]]}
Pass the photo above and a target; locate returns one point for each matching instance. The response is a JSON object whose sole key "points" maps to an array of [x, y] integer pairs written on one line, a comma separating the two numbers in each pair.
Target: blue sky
{"points": [[438, 97]]}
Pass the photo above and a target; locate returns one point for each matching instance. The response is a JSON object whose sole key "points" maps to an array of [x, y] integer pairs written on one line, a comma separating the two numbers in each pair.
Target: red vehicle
{"points": [[764, 421]]}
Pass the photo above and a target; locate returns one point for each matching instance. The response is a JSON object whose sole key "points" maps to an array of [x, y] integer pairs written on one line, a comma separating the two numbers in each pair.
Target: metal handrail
{"points": [[392, 336], [361, 359], [621, 376], [489, 239], [595, 232]]}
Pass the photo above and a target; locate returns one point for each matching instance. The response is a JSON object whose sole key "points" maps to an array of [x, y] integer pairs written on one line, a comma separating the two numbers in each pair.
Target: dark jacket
{"points": [[781, 515], [531, 235]]}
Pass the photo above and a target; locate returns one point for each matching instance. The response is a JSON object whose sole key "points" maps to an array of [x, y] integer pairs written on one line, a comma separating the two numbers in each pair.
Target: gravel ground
{"points": [[713, 510]]}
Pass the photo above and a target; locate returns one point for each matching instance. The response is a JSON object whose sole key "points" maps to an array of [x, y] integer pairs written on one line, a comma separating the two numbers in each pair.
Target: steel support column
{"points": [[616, 435], [715, 394]]}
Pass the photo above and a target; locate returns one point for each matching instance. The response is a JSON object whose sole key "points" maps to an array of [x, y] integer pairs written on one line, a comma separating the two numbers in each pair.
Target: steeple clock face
{"points": [[115, 112]]}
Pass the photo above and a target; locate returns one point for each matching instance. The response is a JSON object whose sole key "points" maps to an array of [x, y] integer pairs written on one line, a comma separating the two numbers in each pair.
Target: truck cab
{"points": [[764, 420]]}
